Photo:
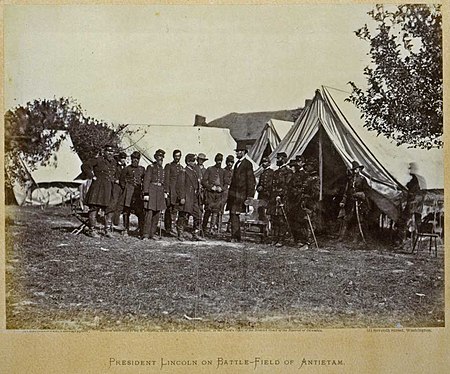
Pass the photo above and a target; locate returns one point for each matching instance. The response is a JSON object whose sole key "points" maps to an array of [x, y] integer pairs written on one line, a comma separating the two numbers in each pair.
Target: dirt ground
{"points": [[57, 280]]}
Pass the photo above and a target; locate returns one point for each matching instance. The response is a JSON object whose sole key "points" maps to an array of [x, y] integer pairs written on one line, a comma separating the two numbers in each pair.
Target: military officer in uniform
{"points": [[102, 171], [296, 202], [188, 193], [116, 206], [171, 172], [200, 167], [131, 180], [264, 187], [356, 203], [154, 195], [213, 184], [277, 202], [227, 175]]}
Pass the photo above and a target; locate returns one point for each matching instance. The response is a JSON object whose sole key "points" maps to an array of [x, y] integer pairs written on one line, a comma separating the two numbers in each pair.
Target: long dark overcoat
{"points": [[242, 186], [131, 180], [188, 188], [153, 187], [171, 172], [101, 190], [213, 177], [227, 175]]}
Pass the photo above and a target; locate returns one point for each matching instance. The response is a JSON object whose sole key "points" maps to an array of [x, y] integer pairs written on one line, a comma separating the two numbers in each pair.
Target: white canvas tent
{"points": [[148, 138], [323, 132], [270, 137], [54, 183]]}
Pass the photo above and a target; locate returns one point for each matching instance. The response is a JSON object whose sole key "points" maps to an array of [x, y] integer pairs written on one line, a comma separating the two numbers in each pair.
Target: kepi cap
{"points": [[160, 152], [356, 165]]}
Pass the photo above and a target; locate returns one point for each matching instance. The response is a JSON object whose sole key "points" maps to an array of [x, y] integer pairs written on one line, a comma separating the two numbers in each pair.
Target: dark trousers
{"points": [[183, 219], [93, 212], [169, 217], [150, 223], [279, 227], [235, 226], [126, 218]]}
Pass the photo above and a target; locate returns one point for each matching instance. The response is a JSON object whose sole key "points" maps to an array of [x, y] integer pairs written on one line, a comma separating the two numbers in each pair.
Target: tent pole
{"points": [[320, 165]]}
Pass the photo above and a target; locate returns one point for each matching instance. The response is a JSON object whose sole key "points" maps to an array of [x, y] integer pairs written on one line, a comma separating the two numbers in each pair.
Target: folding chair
{"points": [[252, 219], [429, 228]]}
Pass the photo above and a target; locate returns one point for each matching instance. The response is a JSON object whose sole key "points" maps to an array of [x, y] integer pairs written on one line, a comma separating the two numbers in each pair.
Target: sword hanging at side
{"points": [[359, 220]]}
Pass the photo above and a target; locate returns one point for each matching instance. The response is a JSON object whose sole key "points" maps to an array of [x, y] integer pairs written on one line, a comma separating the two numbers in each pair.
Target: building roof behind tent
{"points": [[189, 139], [248, 126], [394, 158], [63, 166]]}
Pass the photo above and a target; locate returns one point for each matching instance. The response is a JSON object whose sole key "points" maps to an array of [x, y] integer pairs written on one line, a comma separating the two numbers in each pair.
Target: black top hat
{"points": [[241, 145]]}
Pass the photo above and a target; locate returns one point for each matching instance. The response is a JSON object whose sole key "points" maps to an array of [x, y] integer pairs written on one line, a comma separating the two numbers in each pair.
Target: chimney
{"points": [[199, 120]]}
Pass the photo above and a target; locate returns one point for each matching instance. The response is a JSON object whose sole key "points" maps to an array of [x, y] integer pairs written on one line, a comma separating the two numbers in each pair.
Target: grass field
{"points": [[55, 280]]}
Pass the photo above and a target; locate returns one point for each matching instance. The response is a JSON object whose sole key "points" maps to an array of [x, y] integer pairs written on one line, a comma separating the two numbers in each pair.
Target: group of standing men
{"points": [[289, 194], [180, 192]]}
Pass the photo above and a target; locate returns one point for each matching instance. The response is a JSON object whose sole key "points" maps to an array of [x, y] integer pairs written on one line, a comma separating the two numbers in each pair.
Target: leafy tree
{"points": [[403, 98], [31, 134]]}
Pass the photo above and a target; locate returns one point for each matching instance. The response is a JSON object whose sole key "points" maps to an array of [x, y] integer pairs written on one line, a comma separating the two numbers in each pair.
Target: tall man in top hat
{"points": [[154, 195], [131, 180], [356, 203], [242, 187], [102, 170], [213, 182], [171, 172]]}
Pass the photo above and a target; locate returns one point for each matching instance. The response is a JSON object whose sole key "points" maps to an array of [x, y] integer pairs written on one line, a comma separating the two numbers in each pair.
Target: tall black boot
{"points": [[126, 223]]}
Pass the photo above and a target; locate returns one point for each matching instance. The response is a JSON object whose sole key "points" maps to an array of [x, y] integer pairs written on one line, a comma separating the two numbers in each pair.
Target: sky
{"points": [[164, 64]]}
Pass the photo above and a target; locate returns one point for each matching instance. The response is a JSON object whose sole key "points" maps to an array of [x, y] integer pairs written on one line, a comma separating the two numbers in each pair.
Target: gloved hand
{"points": [[182, 201], [146, 198]]}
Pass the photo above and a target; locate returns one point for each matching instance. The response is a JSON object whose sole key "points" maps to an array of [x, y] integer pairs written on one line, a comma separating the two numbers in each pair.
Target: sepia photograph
{"points": [[218, 187], [223, 168]]}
